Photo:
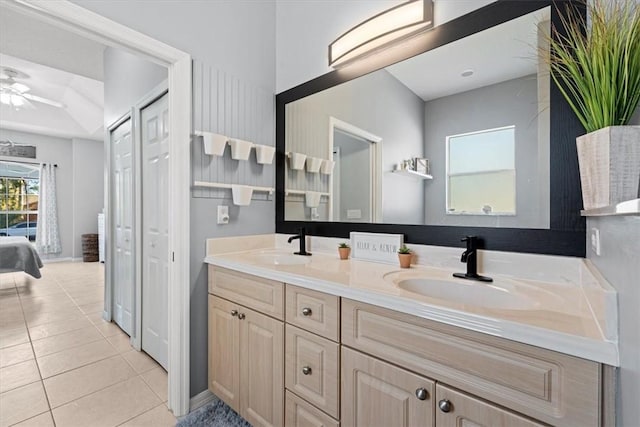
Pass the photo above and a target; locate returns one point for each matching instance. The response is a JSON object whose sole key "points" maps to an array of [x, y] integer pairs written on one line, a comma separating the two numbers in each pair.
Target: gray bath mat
{"points": [[214, 414]]}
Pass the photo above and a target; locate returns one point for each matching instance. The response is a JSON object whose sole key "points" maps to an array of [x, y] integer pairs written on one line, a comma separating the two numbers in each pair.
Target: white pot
{"points": [[313, 164], [264, 154], [214, 144], [241, 194], [296, 160], [327, 167], [609, 162], [240, 149], [312, 198]]}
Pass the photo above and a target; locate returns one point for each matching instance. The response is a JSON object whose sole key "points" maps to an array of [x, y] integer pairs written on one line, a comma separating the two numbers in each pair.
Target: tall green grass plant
{"points": [[596, 65]]}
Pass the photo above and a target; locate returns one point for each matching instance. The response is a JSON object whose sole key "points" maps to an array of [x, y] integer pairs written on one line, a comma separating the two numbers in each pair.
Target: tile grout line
{"points": [[44, 389]]}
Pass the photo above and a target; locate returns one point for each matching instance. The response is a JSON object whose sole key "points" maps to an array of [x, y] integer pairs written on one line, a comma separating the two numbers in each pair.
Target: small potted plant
{"points": [[405, 255], [344, 250]]}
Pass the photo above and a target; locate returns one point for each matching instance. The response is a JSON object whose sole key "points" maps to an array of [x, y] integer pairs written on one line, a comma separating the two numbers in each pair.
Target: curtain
{"points": [[47, 235]]}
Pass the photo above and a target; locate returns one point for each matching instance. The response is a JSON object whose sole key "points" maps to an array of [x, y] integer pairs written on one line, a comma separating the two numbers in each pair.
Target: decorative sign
{"points": [[13, 150], [376, 247]]}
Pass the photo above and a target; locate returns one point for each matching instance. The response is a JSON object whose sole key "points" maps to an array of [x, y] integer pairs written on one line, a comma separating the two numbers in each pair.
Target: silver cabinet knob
{"points": [[422, 393], [306, 370], [306, 311], [234, 313], [445, 405], [241, 316]]}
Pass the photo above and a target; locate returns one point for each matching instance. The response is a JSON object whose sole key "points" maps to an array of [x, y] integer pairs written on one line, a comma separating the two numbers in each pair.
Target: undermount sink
{"points": [[282, 259], [472, 293]]}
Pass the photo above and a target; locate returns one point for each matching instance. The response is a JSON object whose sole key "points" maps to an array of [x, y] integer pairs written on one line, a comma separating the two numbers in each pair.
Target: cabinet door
{"points": [[456, 409], [377, 394], [299, 413], [224, 351], [262, 368]]}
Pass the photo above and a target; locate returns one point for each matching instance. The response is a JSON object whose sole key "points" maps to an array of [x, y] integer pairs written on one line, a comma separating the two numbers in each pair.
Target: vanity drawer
{"points": [[299, 413], [314, 311], [312, 369], [265, 296], [555, 388]]}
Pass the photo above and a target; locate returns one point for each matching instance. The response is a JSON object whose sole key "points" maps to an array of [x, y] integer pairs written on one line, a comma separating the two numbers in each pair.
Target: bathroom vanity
{"points": [[301, 341]]}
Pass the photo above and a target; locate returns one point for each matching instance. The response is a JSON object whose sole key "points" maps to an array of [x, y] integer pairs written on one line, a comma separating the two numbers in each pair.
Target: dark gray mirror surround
{"points": [[566, 235]]}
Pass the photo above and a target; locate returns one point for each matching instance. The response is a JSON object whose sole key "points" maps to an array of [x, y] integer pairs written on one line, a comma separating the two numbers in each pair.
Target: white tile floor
{"points": [[62, 365]]}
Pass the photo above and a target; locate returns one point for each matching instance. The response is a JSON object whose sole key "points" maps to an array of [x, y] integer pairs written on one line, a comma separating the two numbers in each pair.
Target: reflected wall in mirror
{"points": [[429, 106]]}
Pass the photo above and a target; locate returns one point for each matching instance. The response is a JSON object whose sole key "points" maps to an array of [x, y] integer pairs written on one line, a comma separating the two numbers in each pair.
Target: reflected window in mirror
{"points": [[481, 173]]}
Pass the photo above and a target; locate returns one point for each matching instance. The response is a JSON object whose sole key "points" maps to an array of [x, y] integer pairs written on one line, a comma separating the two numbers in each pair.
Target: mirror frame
{"points": [[566, 234]]}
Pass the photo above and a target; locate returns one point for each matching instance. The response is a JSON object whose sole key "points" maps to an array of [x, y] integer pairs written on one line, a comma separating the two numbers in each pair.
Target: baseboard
{"points": [[52, 260], [200, 400]]}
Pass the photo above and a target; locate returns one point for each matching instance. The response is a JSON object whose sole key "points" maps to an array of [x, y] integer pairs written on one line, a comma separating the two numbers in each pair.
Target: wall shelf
{"points": [[229, 186], [302, 192], [629, 207], [412, 174]]}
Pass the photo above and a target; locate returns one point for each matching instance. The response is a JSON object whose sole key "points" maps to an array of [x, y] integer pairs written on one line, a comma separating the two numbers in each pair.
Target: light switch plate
{"points": [[595, 240], [223, 214]]}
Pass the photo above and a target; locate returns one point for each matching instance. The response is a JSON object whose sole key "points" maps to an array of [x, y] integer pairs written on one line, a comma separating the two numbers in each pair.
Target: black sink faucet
{"points": [[470, 256], [303, 242]]}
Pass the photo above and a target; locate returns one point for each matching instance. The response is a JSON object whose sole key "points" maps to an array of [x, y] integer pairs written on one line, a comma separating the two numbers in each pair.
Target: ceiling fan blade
{"points": [[22, 88], [43, 100]]}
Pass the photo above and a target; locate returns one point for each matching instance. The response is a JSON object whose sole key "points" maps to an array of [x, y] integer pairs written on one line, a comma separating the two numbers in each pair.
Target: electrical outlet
{"points": [[223, 214], [595, 241]]}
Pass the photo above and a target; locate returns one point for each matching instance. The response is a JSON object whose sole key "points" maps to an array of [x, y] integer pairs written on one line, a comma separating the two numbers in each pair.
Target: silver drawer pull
{"points": [[234, 313], [306, 311], [445, 405], [241, 316], [306, 370], [422, 393]]}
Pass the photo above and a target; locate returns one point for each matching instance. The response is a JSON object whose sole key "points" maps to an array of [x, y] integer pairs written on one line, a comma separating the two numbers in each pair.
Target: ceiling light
{"points": [[467, 73], [381, 31]]}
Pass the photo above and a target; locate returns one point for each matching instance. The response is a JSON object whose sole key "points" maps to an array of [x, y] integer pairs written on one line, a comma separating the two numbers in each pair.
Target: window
{"points": [[19, 195], [481, 173]]}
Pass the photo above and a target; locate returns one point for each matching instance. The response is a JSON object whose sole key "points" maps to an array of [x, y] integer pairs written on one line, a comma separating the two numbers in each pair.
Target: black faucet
{"points": [[303, 242], [470, 256]]}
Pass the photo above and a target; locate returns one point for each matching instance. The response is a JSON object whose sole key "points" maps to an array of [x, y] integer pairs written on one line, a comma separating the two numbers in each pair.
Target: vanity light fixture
{"points": [[381, 31]]}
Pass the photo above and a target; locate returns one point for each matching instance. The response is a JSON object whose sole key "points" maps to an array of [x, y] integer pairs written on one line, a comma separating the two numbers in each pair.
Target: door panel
{"points": [[155, 231], [261, 365], [224, 351], [377, 394], [123, 208]]}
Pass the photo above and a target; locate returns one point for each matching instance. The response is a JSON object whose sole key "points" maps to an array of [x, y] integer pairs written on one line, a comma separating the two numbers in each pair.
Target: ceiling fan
{"points": [[16, 94]]}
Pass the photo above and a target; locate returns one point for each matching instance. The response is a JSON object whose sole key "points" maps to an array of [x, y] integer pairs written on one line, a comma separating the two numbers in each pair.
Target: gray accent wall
{"points": [[222, 103], [379, 104], [127, 79], [79, 179], [508, 103], [619, 263]]}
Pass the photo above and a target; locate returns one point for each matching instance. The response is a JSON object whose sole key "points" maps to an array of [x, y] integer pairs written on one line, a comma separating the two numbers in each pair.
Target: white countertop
{"points": [[561, 318]]}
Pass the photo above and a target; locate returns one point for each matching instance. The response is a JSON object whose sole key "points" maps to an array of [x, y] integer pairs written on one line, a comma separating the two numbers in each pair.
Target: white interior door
{"points": [[154, 131], [123, 214]]}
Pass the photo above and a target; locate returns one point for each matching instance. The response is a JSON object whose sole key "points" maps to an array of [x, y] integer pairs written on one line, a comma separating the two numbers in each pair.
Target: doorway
{"points": [[96, 27], [355, 184]]}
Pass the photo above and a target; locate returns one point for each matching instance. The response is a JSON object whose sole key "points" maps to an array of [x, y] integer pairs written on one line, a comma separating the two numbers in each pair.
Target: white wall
{"points": [[127, 79], [618, 263], [234, 36], [79, 183], [306, 28], [88, 189]]}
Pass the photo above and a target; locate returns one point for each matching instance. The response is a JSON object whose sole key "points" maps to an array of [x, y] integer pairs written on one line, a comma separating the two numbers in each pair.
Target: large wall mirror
{"points": [[463, 135]]}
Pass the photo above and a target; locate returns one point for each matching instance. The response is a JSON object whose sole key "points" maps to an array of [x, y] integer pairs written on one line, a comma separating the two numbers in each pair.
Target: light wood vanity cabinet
{"points": [[246, 350], [348, 363]]}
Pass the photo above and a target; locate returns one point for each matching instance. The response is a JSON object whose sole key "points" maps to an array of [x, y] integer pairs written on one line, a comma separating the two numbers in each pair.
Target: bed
{"points": [[18, 254]]}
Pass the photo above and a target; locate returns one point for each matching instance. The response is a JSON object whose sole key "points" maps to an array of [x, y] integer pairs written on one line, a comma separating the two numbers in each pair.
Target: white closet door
{"points": [[123, 213], [154, 124]]}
